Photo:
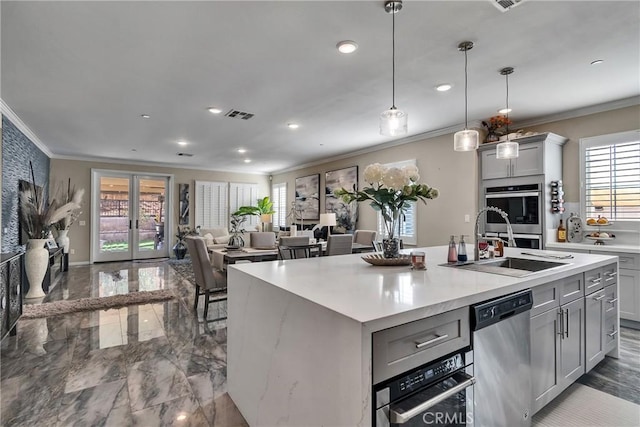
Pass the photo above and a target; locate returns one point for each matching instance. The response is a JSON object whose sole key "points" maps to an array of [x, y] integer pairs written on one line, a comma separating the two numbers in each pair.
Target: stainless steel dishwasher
{"points": [[502, 361]]}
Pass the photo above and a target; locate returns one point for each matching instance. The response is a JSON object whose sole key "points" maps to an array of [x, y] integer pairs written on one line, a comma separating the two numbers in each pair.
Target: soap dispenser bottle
{"points": [[453, 254], [462, 250]]}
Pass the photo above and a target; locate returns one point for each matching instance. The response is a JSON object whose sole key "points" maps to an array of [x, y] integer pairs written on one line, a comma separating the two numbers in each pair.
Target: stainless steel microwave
{"points": [[522, 203]]}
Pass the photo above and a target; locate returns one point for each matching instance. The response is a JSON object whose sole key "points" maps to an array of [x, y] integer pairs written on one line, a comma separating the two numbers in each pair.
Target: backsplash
{"points": [[17, 151]]}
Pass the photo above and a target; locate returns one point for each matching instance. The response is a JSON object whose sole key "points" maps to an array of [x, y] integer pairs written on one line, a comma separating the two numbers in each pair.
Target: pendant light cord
{"points": [[507, 79], [466, 121], [393, 56]]}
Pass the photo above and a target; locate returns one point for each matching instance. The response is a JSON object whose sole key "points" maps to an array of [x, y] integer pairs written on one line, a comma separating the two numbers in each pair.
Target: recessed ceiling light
{"points": [[214, 110], [444, 87], [145, 116], [241, 150], [347, 46], [597, 61], [247, 160], [293, 125], [182, 142], [504, 110]]}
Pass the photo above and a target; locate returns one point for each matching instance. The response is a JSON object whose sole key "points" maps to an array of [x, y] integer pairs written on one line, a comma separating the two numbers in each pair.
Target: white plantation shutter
{"points": [[279, 198], [211, 204], [242, 194], [408, 231], [611, 176]]}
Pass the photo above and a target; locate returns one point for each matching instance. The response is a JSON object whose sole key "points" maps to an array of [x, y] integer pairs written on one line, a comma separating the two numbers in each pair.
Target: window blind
{"points": [[279, 198], [211, 204], [243, 194], [612, 180]]}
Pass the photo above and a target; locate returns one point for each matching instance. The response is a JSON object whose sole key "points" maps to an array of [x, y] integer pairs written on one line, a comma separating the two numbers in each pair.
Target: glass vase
{"points": [[391, 248]]}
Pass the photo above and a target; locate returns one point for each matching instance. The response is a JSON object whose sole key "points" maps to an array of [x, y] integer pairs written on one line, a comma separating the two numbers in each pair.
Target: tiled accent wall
{"points": [[17, 150]]}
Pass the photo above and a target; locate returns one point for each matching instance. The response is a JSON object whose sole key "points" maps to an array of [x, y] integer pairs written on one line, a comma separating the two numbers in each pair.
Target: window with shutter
{"points": [[242, 194], [279, 198], [610, 169], [211, 204], [408, 229]]}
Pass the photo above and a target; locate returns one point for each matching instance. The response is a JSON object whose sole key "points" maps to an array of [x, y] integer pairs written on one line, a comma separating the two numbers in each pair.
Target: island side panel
{"points": [[293, 362]]}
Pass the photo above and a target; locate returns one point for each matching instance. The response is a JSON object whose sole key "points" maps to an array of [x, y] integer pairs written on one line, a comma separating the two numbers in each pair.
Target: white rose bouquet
{"points": [[390, 191]]}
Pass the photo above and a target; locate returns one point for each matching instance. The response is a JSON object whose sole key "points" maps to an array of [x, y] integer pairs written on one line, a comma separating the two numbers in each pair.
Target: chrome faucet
{"points": [[478, 236]]}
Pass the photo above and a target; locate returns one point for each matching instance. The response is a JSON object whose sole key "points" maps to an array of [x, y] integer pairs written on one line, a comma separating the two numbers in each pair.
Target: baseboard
{"points": [[630, 324], [79, 263]]}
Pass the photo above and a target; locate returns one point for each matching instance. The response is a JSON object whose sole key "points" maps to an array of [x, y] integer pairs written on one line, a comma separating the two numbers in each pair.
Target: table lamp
{"points": [[328, 220]]}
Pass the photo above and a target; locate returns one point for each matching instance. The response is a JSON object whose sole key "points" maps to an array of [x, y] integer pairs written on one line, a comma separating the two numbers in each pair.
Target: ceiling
{"points": [[81, 74]]}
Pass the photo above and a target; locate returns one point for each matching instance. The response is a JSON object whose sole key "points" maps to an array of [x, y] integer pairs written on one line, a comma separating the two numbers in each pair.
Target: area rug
{"points": [[34, 311], [183, 268]]}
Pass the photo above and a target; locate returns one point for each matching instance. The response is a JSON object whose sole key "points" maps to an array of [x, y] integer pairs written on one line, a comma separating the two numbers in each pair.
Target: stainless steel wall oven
{"points": [[522, 203]]}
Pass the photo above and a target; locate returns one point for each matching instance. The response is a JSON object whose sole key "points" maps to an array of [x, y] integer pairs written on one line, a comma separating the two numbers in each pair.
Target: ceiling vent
{"points": [[504, 5], [235, 114], [184, 154]]}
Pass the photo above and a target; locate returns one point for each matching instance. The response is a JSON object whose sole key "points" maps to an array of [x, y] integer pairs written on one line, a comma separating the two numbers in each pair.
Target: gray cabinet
{"points": [[545, 358], [594, 322], [630, 294], [571, 342], [528, 162], [10, 292]]}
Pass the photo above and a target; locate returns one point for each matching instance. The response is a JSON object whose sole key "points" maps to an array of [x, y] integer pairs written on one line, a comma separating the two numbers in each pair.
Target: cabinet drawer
{"points": [[611, 300], [593, 280], [610, 333], [398, 349], [630, 261], [545, 297], [610, 274], [571, 288]]}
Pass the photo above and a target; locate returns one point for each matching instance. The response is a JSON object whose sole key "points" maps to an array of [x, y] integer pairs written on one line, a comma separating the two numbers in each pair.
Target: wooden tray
{"points": [[378, 259]]}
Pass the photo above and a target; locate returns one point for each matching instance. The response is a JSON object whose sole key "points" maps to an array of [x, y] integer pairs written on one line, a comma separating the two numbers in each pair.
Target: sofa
{"points": [[215, 238]]}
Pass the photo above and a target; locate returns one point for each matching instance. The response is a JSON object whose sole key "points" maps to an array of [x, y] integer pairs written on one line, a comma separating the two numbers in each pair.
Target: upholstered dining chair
{"points": [[209, 282], [263, 239], [294, 241], [339, 244], [365, 237]]}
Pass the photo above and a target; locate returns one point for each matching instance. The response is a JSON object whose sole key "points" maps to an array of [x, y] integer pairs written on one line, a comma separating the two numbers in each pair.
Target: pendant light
{"points": [[508, 149], [393, 122], [465, 140]]}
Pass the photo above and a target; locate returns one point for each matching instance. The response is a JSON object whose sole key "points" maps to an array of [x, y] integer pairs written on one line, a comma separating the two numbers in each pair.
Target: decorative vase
{"points": [[36, 263], [391, 248], [63, 240], [180, 249], [236, 240], [492, 137]]}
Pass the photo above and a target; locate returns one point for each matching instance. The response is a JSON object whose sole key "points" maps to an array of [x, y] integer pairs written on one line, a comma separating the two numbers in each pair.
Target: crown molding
{"points": [[579, 112], [22, 126], [152, 164], [477, 124]]}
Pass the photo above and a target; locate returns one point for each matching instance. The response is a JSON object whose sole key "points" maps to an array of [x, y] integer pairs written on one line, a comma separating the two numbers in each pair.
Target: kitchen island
{"points": [[300, 331]]}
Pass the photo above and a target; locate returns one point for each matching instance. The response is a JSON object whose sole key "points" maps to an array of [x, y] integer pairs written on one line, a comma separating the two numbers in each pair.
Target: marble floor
{"points": [[148, 365], [156, 364]]}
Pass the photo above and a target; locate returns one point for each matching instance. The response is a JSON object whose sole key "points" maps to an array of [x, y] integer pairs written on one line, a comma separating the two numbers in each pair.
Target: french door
{"points": [[129, 215]]}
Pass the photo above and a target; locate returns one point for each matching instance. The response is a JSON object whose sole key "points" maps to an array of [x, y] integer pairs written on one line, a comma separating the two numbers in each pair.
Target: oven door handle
{"points": [[514, 194], [402, 418]]}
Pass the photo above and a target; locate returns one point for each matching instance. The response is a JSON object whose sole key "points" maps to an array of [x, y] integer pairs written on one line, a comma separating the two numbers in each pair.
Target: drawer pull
{"points": [[612, 301], [613, 334], [612, 274], [432, 341], [599, 298], [595, 281]]}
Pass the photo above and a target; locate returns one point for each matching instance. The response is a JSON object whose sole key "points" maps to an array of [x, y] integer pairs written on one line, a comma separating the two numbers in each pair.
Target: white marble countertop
{"points": [[587, 245], [347, 285]]}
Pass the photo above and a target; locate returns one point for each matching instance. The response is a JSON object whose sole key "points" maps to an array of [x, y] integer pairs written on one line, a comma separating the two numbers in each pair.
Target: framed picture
{"points": [[308, 197], [183, 199], [346, 213], [51, 244]]}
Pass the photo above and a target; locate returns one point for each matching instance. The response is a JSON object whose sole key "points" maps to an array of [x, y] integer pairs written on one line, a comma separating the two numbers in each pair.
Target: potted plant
{"points": [[237, 230], [63, 226], [264, 210], [493, 125], [180, 249]]}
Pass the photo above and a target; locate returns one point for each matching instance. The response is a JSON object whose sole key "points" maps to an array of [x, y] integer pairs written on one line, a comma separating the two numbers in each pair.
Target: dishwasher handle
{"points": [[401, 418]]}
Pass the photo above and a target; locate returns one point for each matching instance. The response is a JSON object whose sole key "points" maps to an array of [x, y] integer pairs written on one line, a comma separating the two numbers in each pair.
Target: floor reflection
{"points": [[147, 364]]}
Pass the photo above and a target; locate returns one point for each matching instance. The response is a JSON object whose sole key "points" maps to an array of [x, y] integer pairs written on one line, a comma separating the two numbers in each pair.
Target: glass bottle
{"points": [[562, 232], [462, 250], [453, 254]]}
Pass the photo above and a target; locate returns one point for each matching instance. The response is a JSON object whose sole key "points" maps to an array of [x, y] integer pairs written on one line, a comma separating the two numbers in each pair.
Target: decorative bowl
{"points": [[378, 259]]}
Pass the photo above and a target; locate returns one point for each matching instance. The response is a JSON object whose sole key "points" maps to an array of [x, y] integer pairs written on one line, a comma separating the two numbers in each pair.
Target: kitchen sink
{"points": [[515, 267]]}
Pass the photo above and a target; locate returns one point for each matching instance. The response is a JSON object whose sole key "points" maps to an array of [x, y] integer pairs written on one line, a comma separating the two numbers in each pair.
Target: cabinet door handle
{"points": [[432, 341], [567, 320], [613, 334], [130, 223], [599, 298], [612, 301], [561, 324]]}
